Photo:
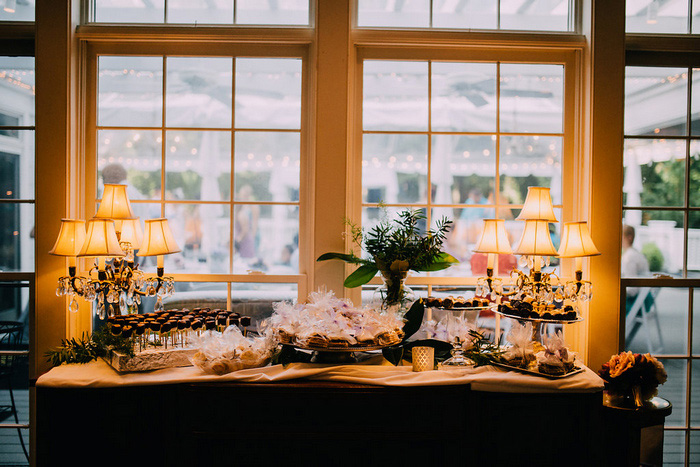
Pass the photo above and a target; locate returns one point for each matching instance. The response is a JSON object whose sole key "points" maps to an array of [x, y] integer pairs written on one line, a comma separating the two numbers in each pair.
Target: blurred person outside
{"points": [[246, 224], [634, 263]]}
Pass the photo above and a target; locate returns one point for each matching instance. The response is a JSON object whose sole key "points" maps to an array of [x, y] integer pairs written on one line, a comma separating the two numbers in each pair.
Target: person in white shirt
{"points": [[634, 263]]}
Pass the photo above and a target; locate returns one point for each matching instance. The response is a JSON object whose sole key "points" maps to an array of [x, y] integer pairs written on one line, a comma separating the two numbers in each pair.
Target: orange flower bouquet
{"points": [[632, 375]]}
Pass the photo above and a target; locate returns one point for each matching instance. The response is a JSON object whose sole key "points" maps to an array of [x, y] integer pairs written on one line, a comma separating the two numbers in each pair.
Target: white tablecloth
{"points": [[99, 374]]}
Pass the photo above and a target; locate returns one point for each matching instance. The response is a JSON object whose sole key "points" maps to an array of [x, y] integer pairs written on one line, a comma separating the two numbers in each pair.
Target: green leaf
{"points": [[361, 276], [414, 318], [348, 258], [393, 354], [442, 261], [442, 348]]}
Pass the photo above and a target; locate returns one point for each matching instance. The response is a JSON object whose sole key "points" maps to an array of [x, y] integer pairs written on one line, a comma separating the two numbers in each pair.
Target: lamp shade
{"points": [[536, 239], [101, 240], [576, 241], [158, 239], [130, 231], [115, 203], [494, 238], [70, 238], [538, 205]]}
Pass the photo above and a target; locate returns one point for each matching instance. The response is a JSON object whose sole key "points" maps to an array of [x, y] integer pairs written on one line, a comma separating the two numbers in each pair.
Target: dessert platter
{"points": [[552, 359], [329, 324], [457, 303], [544, 313], [163, 339]]}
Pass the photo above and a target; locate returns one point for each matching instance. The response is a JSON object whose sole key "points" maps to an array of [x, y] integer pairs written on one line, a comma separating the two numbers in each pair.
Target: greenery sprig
{"points": [[89, 347]]}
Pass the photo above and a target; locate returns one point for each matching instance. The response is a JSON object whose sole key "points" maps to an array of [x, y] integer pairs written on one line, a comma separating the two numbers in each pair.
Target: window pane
{"points": [[532, 98], [461, 240], [268, 93], [674, 390], [198, 92], [656, 101], [17, 10], [198, 165], [658, 236], [654, 172], [674, 446], [292, 12], [16, 237], [395, 95], [656, 319], [267, 166], [202, 232], [537, 15], [395, 168], [464, 97], [132, 157], [130, 91], [461, 166], [695, 122], [262, 235], [465, 15], [694, 247], [119, 11], [17, 164], [16, 93], [200, 11], [529, 161], [657, 16], [388, 13], [695, 402]]}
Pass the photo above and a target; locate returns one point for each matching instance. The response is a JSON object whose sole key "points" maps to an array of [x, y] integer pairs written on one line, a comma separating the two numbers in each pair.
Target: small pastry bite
{"points": [[448, 302], [115, 329], [245, 321], [127, 331], [433, 302]]}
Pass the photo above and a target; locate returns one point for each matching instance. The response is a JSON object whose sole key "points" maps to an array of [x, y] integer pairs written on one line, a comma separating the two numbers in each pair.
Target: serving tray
{"points": [[577, 369]]}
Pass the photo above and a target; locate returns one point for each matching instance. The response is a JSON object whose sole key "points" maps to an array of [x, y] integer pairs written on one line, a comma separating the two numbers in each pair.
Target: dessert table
{"points": [[309, 414]]}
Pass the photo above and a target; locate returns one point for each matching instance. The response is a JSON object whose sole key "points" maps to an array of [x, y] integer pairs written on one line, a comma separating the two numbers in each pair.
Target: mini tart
{"points": [[551, 368], [317, 340], [338, 342], [387, 338]]}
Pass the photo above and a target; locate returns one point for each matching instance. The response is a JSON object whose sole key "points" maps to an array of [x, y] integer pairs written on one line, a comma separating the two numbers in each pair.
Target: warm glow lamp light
{"points": [[535, 245], [112, 236]]}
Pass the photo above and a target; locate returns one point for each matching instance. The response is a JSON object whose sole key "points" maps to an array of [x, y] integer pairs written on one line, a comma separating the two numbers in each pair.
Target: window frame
{"points": [[202, 48], [571, 150], [650, 50]]}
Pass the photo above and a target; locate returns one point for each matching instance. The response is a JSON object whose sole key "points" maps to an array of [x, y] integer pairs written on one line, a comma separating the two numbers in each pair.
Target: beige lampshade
{"points": [[158, 239], [536, 239], [101, 240], [576, 241], [538, 205], [115, 203], [494, 238], [70, 238], [130, 232]]}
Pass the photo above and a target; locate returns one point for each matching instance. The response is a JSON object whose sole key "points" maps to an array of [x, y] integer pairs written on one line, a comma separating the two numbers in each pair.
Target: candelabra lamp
{"points": [[113, 236], [535, 249]]}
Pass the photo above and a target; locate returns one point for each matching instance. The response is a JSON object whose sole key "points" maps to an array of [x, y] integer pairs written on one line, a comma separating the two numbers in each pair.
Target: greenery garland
{"points": [[89, 347]]}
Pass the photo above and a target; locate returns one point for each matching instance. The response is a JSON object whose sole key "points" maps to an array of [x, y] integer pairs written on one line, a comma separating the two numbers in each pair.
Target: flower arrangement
{"points": [[633, 375], [394, 248]]}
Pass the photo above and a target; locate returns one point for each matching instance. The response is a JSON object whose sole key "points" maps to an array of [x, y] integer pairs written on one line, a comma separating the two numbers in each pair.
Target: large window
{"points": [[214, 144], [463, 139], [661, 236], [17, 201]]}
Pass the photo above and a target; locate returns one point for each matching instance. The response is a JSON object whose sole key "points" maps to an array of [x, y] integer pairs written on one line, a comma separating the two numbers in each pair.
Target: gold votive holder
{"points": [[423, 358]]}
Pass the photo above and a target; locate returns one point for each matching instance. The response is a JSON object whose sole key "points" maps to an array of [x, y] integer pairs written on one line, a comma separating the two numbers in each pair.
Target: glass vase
{"points": [[394, 292]]}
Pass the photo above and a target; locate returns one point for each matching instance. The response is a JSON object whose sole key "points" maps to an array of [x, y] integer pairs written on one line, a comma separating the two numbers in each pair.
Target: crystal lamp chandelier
{"points": [[535, 249], [112, 237]]}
